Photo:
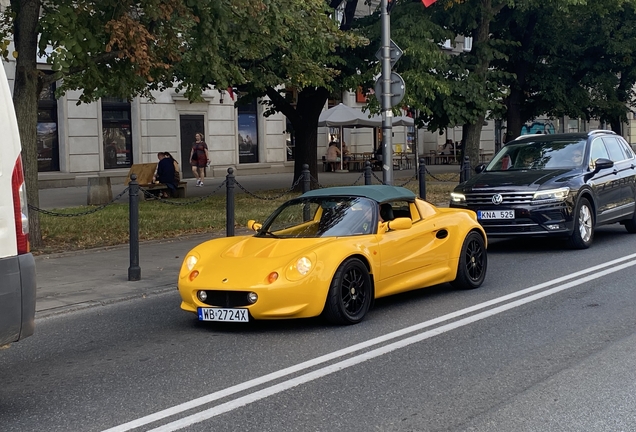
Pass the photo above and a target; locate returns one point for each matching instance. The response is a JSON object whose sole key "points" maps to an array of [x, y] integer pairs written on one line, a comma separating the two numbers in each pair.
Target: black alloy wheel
{"points": [[473, 262], [350, 293]]}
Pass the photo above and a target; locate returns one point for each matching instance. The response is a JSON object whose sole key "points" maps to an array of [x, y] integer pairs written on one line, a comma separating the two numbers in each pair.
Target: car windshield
{"points": [[322, 217], [552, 154]]}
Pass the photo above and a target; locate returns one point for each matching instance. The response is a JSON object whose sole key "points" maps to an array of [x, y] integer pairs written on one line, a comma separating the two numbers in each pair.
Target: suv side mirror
{"points": [[479, 168], [602, 163]]}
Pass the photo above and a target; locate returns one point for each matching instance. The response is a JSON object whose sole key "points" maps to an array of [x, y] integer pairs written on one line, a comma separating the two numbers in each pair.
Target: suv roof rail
{"points": [[599, 131], [526, 136]]}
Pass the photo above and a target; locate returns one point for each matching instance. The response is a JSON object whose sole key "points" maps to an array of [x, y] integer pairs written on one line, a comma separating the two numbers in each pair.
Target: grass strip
{"points": [[158, 220]]}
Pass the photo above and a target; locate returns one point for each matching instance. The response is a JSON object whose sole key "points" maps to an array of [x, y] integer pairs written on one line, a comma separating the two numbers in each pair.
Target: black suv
{"points": [[554, 185]]}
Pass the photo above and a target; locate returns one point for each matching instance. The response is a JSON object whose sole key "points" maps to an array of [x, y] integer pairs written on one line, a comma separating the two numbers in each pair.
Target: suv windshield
{"points": [[552, 154], [322, 217]]}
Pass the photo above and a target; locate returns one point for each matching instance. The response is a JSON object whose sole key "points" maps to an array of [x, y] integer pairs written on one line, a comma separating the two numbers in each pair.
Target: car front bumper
{"points": [[530, 220]]}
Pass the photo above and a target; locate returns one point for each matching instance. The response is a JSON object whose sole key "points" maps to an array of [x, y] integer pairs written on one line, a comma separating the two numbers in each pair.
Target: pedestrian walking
{"points": [[199, 158]]}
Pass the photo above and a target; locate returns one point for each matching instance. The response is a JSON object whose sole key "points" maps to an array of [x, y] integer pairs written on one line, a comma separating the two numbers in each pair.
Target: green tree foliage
{"points": [[293, 52], [125, 48], [586, 72]]}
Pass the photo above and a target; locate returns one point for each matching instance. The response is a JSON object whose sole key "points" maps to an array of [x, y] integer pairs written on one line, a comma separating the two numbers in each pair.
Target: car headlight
{"points": [[551, 195], [303, 265], [191, 261], [458, 198]]}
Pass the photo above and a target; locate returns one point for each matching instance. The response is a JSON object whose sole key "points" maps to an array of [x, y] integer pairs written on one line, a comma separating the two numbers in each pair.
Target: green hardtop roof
{"points": [[379, 193]]}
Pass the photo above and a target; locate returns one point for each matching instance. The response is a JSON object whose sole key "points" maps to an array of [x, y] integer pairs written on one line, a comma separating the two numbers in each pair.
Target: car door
{"points": [[623, 170], [629, 175], [408, 257], [605, 183]]}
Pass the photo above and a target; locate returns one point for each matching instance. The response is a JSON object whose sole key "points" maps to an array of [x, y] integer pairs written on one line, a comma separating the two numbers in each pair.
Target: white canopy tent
{"points": [[343, 116]]}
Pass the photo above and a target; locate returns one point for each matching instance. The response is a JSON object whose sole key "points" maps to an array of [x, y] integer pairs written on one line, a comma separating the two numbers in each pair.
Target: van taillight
{"points": [[20, 209]]}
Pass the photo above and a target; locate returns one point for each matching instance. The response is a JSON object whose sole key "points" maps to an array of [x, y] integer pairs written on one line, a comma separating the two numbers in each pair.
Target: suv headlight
{"points": [[551, 195], [458, 198]]}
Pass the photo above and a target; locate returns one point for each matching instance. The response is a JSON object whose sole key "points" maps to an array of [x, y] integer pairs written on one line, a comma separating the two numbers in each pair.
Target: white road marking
{"points": [[277, 388]]}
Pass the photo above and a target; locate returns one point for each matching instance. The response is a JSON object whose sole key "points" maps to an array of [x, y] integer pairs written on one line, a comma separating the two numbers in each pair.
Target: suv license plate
{"points": [[223, 314], [495, 214]]}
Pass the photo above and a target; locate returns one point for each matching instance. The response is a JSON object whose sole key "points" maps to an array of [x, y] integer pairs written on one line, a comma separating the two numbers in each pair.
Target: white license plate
{"points": [[223, 314], [495, 214]]}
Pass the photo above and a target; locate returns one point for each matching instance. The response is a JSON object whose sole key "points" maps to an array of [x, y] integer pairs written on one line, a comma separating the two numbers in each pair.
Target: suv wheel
{"points": [[583, 233], [630, 224]]}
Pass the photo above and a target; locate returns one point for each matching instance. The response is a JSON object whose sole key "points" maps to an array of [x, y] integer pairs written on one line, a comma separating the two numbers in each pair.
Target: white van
{"points": [[17, 266]]}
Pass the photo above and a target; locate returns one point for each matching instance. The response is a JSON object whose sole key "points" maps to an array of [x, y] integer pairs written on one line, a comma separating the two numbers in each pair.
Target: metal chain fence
{"points": [[84, 213], [253, 195]]}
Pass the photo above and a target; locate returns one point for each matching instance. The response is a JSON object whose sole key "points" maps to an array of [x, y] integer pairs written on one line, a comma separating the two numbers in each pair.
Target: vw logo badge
{"points": [[497, 199]]}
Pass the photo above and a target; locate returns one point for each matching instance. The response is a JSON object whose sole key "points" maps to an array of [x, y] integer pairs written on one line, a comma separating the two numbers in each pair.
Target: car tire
{"points": [[473, 262], [630, 224], [350, 293], [583, 232]]}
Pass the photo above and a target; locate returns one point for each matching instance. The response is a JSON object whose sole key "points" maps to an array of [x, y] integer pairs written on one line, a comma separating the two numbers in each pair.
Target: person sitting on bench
{"points": [[166, 174]]}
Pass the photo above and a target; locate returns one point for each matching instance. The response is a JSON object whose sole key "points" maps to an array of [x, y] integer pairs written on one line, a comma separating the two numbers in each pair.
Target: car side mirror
{"points": [[480, 168], [602, 163], [402, 223], [253, 225]]}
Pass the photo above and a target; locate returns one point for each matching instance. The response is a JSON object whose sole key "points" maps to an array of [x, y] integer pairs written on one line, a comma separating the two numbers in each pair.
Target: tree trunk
{"points": [[25, 100], [305, 123], [472, 131], [514, 122], [472, 137]]}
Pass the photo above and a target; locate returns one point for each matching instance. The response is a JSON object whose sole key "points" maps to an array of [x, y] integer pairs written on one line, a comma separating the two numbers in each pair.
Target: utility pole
{"points": [[387, 109]]}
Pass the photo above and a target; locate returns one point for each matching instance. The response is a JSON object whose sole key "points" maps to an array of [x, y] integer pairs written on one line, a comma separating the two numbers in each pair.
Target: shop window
{"points": [[248, 133], [47, 139], [116, 133]]}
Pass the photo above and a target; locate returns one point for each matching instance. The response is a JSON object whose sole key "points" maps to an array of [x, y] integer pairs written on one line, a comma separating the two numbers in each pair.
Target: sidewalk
{"points": [[81, 279]]}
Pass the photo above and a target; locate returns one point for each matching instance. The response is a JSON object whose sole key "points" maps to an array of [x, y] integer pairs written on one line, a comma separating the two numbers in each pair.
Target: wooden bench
{"points": [[145, 172]]}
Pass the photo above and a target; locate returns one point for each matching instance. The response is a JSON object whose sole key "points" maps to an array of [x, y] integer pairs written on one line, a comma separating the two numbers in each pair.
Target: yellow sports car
{"points": [[332, 251]]}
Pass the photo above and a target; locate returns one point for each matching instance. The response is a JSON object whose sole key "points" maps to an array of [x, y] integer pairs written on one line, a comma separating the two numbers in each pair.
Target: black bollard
{"points": [[306, 178], [422, 179], [367, 173], [134, 271], [229, 205], [465, 173]]}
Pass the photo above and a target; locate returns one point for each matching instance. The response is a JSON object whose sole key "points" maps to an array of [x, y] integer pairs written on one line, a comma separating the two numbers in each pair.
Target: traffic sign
{"points": [[398, 88], [395, 53]]}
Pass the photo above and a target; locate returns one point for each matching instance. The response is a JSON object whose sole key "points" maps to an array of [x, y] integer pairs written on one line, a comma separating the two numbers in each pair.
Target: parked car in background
{"points": [[332, 251], [561, 185]]}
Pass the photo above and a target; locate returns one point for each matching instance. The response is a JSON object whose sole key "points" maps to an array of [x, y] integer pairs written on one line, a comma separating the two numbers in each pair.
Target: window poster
{"points": [[48, 150], [248, 137], [117, 145]]}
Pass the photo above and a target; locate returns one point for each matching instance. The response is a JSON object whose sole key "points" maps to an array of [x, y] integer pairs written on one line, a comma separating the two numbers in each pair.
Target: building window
{"points": [[573, 125], [447, 45], [116, 133], [48, 144], [468, 43], [248, 133]]}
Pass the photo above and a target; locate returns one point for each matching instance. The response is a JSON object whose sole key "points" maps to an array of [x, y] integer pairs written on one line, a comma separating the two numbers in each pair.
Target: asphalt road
{"points": [[547, 344]]}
